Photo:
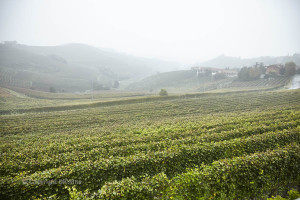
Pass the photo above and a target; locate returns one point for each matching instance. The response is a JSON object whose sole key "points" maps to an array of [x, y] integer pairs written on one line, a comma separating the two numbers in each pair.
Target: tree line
{"points": [[255, 72]]}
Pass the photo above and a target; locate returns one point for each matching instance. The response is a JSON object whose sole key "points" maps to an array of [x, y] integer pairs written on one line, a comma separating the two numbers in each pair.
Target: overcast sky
{"points": [[180, 30]]}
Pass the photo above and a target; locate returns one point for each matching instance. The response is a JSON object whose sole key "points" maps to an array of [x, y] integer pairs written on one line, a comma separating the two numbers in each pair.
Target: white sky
{"points": [[179, 30]]}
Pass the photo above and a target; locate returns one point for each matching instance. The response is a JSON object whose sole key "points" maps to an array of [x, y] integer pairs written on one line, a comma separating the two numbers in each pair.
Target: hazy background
{"points": [[186, 31]]}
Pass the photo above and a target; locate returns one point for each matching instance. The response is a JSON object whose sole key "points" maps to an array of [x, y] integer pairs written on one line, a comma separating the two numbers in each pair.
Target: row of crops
{"points": [[271, 82], [226, 146], [73, 96], [227, 101], [8, 78], [93, 173], [250, 176], [4, 93], [111, 145]]}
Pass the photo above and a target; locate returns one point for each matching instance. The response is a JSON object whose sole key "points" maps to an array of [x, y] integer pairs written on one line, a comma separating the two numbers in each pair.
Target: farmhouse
{"points": [[213, 71], [230, 72], [274, 69]]}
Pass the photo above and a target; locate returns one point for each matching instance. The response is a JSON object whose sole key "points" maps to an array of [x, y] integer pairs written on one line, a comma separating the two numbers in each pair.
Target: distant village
{"points": [[214, 71], [257, 71]]}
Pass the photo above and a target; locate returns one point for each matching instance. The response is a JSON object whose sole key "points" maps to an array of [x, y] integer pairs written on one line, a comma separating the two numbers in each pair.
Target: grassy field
{"points": [[229, 145]]}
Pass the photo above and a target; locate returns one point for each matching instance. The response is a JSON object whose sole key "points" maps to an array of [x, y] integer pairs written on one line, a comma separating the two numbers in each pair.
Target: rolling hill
{"points": [[179, 81], [71, 67]]}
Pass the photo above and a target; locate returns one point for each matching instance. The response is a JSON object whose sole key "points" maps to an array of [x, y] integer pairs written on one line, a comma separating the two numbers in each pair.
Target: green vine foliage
{"points": [[206, 146]]}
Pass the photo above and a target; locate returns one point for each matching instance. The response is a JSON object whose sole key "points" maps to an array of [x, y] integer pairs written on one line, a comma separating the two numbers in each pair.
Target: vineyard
{"points": [[231, 145], [8, 77], [262, 83], [72, 96], [20, 100]]}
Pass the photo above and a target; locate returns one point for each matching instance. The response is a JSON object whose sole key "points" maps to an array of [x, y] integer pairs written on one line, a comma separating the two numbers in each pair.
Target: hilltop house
{"points": [[214, 71], [274, 69]]}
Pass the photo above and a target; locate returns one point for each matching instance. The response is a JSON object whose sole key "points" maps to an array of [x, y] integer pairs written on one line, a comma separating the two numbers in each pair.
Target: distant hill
{"points": [[164, 80], [223, 61], [72, 67], [178, 81], [122, 64]]}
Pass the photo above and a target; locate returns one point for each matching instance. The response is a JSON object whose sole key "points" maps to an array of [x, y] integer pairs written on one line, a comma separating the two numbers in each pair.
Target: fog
{"points": [[185, 31], [295, 84]]}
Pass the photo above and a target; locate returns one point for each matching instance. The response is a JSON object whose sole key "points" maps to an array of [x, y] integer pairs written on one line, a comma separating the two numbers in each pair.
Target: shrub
{"points": [[163, 92]]}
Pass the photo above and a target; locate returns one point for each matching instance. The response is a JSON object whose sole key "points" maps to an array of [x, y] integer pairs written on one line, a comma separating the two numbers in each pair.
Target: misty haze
{"points": [[149, 99]]}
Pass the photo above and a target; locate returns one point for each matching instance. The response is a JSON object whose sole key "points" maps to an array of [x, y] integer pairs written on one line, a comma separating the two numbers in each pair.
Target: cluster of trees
{"points": [[97, 86], [253, 73], [163, 92], [219, 76], [52, 90], [290, 69]]}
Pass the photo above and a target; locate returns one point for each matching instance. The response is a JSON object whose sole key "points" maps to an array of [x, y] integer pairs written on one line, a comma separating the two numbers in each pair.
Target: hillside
{"points": [[71, 67], [178, 81], [122, 64], [188, 81], [165, 80]]}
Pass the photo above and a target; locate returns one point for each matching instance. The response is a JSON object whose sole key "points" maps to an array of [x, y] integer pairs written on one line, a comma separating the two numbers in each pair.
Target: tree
{"points": [[52, 89], [101, 87], [208, 72], [251, 73], [290, 68], [163, 92], [116, 84], [219, 76], [243, 74], [262, 68], [282, 71]]}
